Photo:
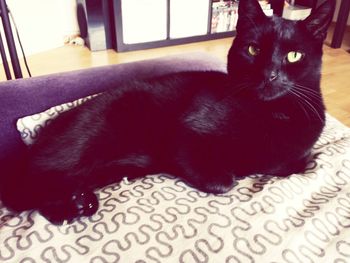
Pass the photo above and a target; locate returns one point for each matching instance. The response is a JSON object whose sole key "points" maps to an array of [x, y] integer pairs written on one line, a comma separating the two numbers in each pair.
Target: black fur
{"points": [[205, 127]]}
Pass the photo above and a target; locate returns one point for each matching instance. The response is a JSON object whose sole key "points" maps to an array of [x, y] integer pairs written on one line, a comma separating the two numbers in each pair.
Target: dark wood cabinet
{"points": [[168, 38], [96, 23], [101, 23]]}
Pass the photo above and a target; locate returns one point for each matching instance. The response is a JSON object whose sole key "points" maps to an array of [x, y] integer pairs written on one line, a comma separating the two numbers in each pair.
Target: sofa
{"points": [[301, 218]]}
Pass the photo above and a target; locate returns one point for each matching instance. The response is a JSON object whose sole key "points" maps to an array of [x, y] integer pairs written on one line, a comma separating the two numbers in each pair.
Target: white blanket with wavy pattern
{"points": [[302, 218]]}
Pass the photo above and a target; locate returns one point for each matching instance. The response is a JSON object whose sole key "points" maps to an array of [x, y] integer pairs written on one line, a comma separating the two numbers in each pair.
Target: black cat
{"points": [[205, 127]]}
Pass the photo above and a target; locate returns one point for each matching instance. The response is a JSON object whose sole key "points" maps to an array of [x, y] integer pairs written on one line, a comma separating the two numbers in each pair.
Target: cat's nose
{"points": [[273, 75]]}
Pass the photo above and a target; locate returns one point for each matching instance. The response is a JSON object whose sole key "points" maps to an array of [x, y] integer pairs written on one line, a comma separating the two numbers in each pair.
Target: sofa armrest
{"points": [[24, 97]]}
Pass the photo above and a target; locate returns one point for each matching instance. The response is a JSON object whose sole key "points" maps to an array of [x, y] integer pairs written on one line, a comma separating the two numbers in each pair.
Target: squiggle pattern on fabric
{"points": [[301, 218]]}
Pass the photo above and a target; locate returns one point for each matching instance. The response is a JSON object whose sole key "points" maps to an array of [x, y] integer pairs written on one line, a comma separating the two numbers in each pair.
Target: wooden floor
{"points": [[335, 73]]}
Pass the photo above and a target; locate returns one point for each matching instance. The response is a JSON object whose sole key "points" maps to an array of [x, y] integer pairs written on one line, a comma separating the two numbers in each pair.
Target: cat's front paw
{"points": [[85, 203], [294, 167], [218, 185], [80, 204]]}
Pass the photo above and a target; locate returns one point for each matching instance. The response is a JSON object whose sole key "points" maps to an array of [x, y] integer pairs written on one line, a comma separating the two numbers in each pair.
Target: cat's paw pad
{"points": [[80, 204], [85, 203]]}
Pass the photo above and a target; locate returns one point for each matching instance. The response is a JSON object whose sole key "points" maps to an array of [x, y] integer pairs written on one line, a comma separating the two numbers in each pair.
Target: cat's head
{"points": [[271, 56]]}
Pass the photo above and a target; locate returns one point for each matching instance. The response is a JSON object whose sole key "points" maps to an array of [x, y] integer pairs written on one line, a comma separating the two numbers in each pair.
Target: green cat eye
{"points": [[253, 50], [294, 56]]}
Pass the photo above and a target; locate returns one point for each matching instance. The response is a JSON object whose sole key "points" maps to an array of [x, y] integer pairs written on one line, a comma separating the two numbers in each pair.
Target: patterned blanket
{"points": [[302, 218]]}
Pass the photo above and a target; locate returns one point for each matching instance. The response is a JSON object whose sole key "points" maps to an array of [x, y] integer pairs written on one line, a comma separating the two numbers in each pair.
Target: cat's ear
{"points": [[249, 14], [318, 21]]}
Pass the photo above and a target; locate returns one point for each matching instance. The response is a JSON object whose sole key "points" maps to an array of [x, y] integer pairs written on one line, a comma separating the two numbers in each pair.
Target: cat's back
{"points": [[156, 102], [173, 86]]}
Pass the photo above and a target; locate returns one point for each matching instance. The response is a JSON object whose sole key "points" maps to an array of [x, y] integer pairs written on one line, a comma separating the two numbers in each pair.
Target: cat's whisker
{"points": [[303, 86], [307, 90], [315, 111], [238, 88], [300, 100], [305, 99], [243, 84], [308, 93]]}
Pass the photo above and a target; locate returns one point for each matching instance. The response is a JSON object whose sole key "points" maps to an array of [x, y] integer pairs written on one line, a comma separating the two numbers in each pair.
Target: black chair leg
{"points": [[4, 60], [341, 24], [9, 39]]}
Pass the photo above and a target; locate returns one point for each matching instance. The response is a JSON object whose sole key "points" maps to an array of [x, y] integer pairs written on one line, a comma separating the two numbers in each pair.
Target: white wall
{"points": [[42, 24]]}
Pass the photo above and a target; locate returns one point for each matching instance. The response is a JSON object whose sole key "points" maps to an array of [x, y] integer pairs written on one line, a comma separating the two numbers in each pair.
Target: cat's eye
{"points": [[253, 50], [294, 56]]}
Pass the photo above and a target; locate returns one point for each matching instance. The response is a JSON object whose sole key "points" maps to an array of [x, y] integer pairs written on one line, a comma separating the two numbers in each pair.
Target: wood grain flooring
{"points": [[335, 72]]}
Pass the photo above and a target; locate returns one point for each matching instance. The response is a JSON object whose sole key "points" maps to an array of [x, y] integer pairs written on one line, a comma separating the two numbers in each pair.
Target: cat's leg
{"points": [[64, 190], [57, 196], [208, 179], [216, 182], [291, 167], [205, 169], [78, 199]]}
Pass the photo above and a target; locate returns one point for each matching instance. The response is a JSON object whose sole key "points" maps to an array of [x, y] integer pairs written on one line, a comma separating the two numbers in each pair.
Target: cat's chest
{"points": [[280, 126], [279, 116], [277, 126]]}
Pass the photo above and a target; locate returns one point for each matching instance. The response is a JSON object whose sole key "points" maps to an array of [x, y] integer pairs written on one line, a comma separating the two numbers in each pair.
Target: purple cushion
{"points": [[24, 97]]}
